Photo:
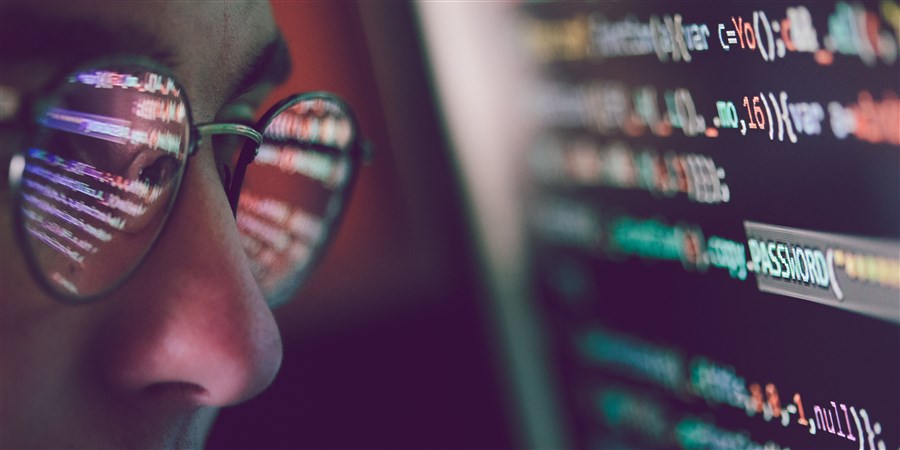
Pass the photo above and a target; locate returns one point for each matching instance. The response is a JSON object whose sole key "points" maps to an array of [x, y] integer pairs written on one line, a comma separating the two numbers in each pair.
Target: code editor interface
{"points": [[714, 221]]}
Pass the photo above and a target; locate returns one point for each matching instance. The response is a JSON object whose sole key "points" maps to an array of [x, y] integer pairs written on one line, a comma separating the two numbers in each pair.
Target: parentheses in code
{"points": [[859, 428], [768, 115], [679, 38], [757, 17], [759, 44], [782, 96], [673, 39], [778, 117], [692, 122], [656, 39], [720, 29], [838, 292], [870, 432]]}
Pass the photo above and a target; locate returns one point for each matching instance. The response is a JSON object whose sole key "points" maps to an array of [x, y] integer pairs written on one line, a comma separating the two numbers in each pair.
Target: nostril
{"points": [[176, 389]]}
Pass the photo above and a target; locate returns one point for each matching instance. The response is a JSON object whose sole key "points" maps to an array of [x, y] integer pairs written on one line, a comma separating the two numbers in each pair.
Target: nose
{"points": [[192, 325]]}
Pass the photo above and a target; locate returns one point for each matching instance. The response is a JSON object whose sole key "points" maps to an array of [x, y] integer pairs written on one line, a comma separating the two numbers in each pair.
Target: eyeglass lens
{"points": [[100, 175], [294, 190], [107, 159]]}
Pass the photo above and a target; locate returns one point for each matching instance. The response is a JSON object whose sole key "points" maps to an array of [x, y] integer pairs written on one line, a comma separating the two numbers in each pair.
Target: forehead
{"points": [[208, 45]]}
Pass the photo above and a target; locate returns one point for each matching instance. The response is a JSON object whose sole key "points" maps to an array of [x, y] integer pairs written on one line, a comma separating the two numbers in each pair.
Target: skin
{"points": [[189, 331]]}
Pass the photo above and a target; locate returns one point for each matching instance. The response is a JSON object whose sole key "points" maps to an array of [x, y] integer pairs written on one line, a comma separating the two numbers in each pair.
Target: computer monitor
{"points": [[689, 213]]}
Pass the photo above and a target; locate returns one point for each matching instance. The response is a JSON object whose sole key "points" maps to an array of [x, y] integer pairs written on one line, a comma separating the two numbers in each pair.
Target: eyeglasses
{"points": [[105, 152]]}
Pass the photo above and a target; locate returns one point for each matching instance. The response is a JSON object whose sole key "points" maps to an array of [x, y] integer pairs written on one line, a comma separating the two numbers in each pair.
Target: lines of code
{"points": [[146, 83], [822, 267], [115, 130], [276, 236], [714, 215], [699, 379], [97, 179], [613, 108], [770, 33], [580, 161]]}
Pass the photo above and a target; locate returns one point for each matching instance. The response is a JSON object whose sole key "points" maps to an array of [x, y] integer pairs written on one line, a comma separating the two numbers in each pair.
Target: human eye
{"points": [[157, 172]]}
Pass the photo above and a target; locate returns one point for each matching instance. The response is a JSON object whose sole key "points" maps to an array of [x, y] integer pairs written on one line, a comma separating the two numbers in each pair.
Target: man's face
{"points": [[189, 331]]}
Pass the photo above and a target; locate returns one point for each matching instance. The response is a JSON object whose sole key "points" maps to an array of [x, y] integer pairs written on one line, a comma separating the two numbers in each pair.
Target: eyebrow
{"points": [[34, 36], [271, 65]]}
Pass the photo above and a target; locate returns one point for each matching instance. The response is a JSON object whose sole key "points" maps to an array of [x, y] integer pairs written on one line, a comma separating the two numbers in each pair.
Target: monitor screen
{"points": [[714, 221], [690, 215]]}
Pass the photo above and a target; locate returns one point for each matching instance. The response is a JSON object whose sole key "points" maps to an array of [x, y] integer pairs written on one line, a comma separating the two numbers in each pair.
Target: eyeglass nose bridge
{"points": [[210, 129]]}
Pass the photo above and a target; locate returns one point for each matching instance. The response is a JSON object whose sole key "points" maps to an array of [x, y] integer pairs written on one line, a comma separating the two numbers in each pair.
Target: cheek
{"points": [[41, 343], [16, 285]]}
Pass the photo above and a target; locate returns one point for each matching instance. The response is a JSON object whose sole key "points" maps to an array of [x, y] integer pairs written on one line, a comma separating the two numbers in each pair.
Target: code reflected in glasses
{"points": [[74, 209], [108, 155], [277, 237], [314, 121], [327, 168], [98, 178], [149, 82], [111, 129]]}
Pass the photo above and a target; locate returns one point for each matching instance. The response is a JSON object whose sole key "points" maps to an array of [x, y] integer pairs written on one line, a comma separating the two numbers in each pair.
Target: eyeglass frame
{"points": [[22, 113]]}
